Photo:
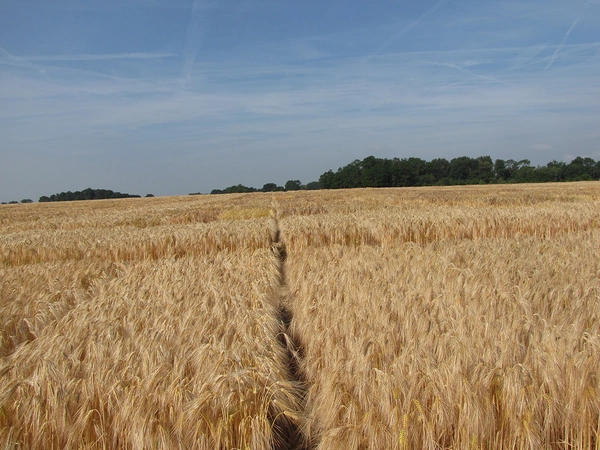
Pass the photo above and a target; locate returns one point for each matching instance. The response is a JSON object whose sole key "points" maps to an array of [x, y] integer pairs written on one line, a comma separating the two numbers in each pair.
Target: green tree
{"points": [[313, 186], [522, 171], [417, 169], [238, 189], [485, 168], [293, 185], [270, 187], [438, 168], [580, 169], [401, 173], [464, 168], [550, 172], [350, 175], [375, 172], [327, 180], [500, 171]]}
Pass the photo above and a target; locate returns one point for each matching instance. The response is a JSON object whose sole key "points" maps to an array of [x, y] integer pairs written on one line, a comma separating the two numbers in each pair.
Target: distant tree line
{"points": [[290, 185], [396, 172], [14, 202], [86, 194], [381, 172]]}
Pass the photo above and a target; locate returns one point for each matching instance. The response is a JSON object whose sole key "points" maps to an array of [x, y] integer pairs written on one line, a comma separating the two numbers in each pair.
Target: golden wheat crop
{"points": [[473, 325], [454, 317], [132, 337], [494, 342]]}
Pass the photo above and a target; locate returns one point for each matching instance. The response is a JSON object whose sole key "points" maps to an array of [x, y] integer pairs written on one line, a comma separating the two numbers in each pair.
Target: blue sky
{"points": [[177, 96]]}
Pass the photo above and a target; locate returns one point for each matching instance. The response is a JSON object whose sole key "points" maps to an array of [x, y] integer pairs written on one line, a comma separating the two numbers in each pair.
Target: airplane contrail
{"points": [[100, 57], [409, 27], [194, 37], [5, 52], [475, 75], [559, 48]]}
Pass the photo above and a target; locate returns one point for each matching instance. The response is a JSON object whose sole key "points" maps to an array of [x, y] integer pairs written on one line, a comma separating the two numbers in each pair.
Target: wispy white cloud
{"points": [[100, 57], [89, 6], [196, 31], [304, 98], [12, 60], [400, 86], [6, 53]]}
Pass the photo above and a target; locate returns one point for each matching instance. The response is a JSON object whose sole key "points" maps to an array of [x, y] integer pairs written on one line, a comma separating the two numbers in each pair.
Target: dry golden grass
{"points": [[181, 354], [388, 217], [473, 325], [132, 230], [494, 343], [157, 337], [455, 317]]}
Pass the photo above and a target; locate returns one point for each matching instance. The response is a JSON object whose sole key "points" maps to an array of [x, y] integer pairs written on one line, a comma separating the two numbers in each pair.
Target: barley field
{"points": [[439, 318]]}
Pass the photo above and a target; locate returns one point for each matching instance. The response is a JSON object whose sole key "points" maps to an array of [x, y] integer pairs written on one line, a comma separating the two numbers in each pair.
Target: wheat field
{"points": [[442, 318]]}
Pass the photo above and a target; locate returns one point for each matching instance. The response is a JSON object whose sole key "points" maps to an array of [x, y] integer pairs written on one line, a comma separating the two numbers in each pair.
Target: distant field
{"points": [[447, 317]]}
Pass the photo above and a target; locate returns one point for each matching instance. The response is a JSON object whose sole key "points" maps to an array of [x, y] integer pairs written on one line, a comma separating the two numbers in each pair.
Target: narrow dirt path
{"points": [[292, 344]]}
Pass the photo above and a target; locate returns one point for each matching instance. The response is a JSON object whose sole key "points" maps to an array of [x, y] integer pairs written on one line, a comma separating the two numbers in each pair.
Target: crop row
{"points": [[463, 317]]}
